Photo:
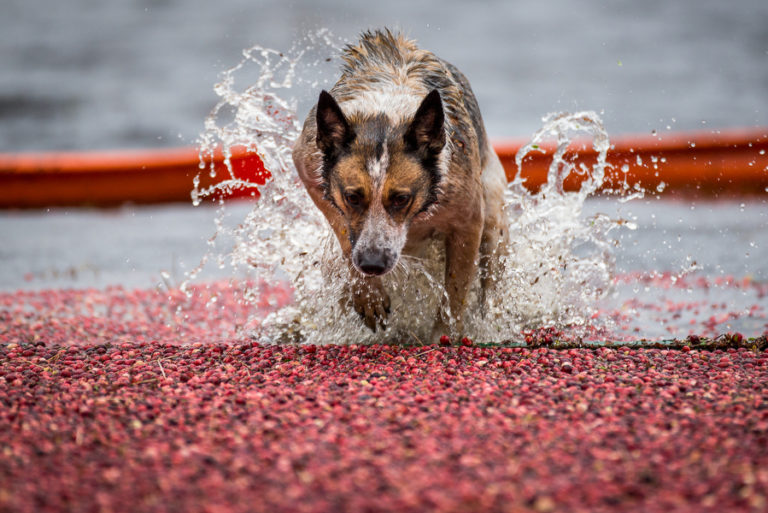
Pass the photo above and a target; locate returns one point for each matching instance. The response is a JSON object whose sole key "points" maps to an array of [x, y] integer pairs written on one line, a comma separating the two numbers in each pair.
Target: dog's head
{"points": [[380, 175]]}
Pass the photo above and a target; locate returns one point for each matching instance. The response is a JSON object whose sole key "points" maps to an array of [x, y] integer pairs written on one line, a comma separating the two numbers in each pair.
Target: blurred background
{"points": [[86, 74]]}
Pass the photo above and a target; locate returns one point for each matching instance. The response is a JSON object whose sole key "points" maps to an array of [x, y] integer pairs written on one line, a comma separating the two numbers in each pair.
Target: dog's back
{"points": [[388, 73]]}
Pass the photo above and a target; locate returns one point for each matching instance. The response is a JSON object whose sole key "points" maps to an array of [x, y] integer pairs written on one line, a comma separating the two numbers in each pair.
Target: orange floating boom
{"points": [[112, 178], [726, 163], [717, 164]]}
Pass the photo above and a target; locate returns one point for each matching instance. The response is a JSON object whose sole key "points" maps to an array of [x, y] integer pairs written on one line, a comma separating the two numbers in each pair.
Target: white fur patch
{"points": [[377, 168], [397, 102]]}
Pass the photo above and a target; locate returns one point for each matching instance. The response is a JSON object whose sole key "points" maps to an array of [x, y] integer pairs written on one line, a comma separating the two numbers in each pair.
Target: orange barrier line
{"points": [[728, 163], [733, 162], [113, 178]]}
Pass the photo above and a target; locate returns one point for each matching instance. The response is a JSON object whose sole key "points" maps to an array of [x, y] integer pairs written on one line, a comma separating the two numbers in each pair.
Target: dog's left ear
{"points": [[426, 132], [333, 131]]}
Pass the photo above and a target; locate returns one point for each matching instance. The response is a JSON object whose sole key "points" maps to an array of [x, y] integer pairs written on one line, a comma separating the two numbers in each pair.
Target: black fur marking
{"points": [[329, 162], [372, 133], [434, 185]]}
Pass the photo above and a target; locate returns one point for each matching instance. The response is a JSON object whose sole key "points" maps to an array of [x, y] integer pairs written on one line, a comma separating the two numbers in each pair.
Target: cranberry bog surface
{"points": [[155, 425]]}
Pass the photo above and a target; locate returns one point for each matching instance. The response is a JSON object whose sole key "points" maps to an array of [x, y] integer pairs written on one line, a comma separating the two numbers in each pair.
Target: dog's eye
{"points": [[400, 200], [353, 199]]}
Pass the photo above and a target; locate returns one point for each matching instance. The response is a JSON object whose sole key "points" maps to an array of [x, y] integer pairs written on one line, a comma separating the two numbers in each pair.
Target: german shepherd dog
{"points": [[395, 154]]}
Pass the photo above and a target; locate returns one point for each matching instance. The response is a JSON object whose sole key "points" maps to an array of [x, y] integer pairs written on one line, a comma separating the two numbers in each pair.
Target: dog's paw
{"points": [[371, 302]]}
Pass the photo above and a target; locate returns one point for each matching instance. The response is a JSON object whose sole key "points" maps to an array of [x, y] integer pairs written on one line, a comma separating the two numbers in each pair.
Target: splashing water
{"points": [[559, 265]]}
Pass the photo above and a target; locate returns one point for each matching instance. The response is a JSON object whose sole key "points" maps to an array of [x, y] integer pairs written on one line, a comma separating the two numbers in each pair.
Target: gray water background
{"points": [[132, 246], [85, 74]]}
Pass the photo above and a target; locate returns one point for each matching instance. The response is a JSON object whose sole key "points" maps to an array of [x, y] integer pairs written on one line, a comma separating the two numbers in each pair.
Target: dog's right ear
{"points": [[333, 131]]}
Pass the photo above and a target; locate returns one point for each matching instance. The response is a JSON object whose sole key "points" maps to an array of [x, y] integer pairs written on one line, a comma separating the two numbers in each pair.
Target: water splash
{"points": [[559, 265]]}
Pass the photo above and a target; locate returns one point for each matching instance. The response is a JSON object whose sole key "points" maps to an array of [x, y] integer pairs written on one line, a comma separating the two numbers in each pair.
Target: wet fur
{"points": [[382, 146]]}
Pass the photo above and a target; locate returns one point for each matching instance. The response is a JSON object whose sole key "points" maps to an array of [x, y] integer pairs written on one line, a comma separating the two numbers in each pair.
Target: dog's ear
{"points": [[426, 132], [333, 131]]}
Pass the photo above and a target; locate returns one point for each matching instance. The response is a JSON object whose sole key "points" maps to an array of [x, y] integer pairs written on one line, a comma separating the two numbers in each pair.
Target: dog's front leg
{"points": [[366, 293], [369, 299], [461, 253]]}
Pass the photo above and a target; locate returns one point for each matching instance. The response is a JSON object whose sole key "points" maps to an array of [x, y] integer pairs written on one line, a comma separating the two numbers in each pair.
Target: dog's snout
{"points": [[375, 262]]}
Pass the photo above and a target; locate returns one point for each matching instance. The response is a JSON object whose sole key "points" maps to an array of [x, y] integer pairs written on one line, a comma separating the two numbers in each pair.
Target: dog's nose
{"points": [[374, 262]]}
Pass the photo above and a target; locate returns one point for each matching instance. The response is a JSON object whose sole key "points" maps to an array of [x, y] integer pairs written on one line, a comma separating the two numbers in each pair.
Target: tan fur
{"points": [[384, 81]]}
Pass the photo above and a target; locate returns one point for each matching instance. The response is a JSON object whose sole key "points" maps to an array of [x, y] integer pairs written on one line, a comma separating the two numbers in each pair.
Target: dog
{"points": [[395, 154]]}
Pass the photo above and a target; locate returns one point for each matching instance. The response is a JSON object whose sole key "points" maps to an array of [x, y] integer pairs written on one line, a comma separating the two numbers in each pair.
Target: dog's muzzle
{"points": [[375, 262]]}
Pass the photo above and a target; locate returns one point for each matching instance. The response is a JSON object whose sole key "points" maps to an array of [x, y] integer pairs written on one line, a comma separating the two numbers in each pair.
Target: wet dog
{"points": [[394, 154]]}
